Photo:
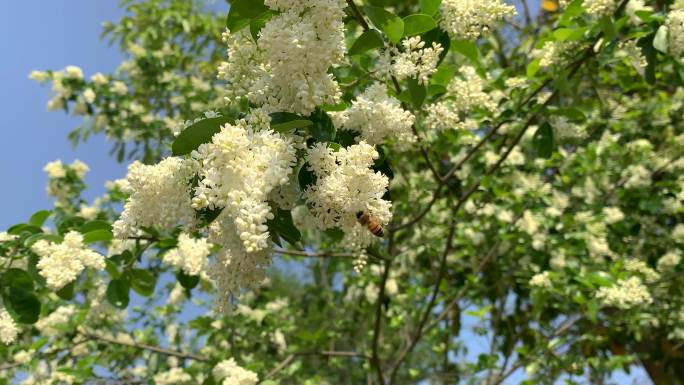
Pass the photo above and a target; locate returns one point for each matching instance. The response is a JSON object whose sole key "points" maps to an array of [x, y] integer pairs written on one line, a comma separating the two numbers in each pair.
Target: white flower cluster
{"points": [[172, 376], [463, 95], [190, 255], [229, 373], [468, 19], [564, 129], [669, 261], [160, 197], [675, 26], [598, 8], [5, 237], [51, 326], [294, 78], [234, 267], [240, 68], [345, 186], [554, 53], [625, 294], [239, 169], [414, 61], [469, 92], [377, 117], [638, 266], [61, 263], [8, 328], [541, 280]]}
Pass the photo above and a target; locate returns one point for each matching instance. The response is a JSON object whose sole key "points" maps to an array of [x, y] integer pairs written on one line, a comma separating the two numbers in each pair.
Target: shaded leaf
{"points": [[197, 134], [387, 22]]}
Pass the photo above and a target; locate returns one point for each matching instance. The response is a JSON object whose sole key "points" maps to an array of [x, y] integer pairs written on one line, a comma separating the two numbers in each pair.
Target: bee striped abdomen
{"points": [[376, 229], [372, 223]]}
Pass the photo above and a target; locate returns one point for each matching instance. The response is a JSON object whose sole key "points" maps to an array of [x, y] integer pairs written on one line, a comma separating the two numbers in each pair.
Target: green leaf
{"points": [[436, 35], [206, 216], [430, 7], [283, 226], [370, 39], [17, 278], [28, 242], [322, 129], [335, 107], [468, 49], [111, 268], [67, 292], [95, 225], [287, 122], [39, 218], [387, 22], [24, 227], [96, 236], [418, 23], [242, 12], [646, 44], [305, 177], [187, 281], [573, 114], [22, 304], [197, 134], [533, 67], [256, 24], [117, 293], [543, 140], [417, 92], [143, 282]]}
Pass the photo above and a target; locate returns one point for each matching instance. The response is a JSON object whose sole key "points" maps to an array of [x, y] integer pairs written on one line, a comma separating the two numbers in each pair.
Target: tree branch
{"points": [[324, 254], [357, 13], [152, 348]]}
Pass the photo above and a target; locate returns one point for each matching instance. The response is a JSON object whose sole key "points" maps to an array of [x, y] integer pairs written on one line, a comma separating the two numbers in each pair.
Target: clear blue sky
{"points": [[51, 34], [47, 35]]}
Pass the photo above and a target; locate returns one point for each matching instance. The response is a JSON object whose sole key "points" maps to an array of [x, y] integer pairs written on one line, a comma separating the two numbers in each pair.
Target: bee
{"points": [[549, 5], [371, 222]]}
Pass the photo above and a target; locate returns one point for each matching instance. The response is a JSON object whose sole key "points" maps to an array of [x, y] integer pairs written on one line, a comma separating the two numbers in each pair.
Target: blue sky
{"points": [[51, 35], [47, 35]]}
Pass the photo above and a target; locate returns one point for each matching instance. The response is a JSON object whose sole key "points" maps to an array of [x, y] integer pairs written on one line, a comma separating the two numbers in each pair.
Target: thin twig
{"points": [[282, 365], [422, 213], [323, 254], [358, 15], [433, 298], [152, 348]]}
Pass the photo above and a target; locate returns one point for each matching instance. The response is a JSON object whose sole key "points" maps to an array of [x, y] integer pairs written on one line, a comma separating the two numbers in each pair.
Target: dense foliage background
{"points": [[525, 165]]}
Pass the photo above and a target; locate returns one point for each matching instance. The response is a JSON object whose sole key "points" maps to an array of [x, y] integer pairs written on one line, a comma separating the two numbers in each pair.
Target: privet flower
{"points": [[61, 263], [190, 255], [345, 186], [8, 328], [239, 169], [295, 79], [229, 373], [598, 8], [669, 261], [625, 294], [378, 117], [414, 60], [541, 280], [172, 376], [234, 267], [468, 19], [51, 326], [160, 197], [675, 26]]}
